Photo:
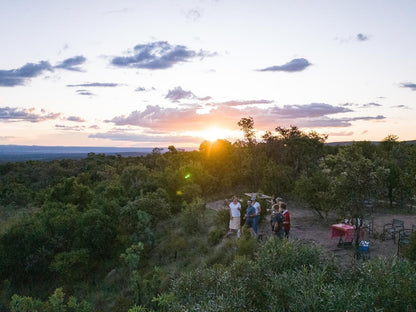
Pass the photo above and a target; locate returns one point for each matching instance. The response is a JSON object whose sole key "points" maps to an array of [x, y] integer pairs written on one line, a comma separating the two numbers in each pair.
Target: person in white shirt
{"points": [[235, 214]]}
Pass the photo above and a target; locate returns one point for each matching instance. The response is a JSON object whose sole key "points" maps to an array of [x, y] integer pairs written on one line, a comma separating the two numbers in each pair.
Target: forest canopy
{"points": [[107, 233]]}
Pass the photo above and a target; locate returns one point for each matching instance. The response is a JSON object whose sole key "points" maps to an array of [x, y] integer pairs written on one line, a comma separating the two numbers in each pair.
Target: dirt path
{"points": [[308, 227]]}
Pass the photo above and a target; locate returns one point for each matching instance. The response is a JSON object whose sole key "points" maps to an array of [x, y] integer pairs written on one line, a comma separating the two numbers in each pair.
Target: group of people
{"points": [[280, 218]]}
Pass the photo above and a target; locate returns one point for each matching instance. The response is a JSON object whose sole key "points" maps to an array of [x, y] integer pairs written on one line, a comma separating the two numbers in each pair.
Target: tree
{"points": [[355, 180], [247, 126], [301, 150], [397, 181]]}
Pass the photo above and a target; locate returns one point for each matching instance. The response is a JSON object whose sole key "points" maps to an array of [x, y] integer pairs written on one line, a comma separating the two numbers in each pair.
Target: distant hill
{"points": [[12, 153], [373, 142]]}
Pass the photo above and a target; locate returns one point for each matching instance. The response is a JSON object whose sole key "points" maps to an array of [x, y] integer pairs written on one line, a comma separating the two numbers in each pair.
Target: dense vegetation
{"points": [[110, 233]]}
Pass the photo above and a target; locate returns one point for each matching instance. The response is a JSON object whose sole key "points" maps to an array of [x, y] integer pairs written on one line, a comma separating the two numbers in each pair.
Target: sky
{"points": [[167, 72]]}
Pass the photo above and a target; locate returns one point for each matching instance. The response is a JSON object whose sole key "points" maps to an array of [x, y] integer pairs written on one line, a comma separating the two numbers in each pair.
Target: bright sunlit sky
{"points": [[167, 72]]}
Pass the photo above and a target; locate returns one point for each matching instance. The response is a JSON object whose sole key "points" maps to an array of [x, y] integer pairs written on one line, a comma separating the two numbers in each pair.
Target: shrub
{"points": [[280, 255], [215, 235], [192, 216]]}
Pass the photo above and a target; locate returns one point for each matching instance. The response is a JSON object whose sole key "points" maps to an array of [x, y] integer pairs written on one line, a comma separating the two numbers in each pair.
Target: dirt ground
{"points": [[308, 227]]}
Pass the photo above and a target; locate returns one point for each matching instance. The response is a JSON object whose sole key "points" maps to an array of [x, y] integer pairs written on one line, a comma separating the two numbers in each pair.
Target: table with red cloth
{"points": [[345, 232]]}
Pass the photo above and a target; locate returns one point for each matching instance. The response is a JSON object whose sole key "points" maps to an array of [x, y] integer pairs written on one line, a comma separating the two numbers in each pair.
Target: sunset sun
{"points": [[212, 134]]}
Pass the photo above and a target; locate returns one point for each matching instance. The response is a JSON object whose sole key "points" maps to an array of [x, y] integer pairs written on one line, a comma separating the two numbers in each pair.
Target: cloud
{"points": [[75, 118], [19, 76], [14, 114], [294, 65], [123, 10], [178, 94], [314, 115], [193, 14], [367, 105], [95, 84], [157, 55], [308, 110], [85, 92], [70, 128], [6, 138], [343, 133], [132, 137], [409, 85], [143, 89], [334, 122], [361, 37], [372, 104], [401, 106], [72, 63], [241, 103]]}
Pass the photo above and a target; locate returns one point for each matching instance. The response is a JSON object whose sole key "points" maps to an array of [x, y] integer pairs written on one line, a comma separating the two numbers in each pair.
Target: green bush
{"points": [[410, 249], [280, 255], [215, 235], [192, 216], [222, 219]]}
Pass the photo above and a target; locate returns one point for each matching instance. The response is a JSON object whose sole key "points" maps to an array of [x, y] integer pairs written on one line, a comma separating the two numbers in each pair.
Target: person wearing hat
{"points": [[256, 205]]}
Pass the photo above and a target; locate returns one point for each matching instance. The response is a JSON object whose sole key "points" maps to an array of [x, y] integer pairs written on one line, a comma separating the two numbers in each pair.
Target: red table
{"points": [[345, 232]]}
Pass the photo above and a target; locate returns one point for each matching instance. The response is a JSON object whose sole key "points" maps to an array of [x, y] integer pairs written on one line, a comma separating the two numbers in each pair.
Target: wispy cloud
{"points": [[266, 118], [15, 114], [372, 104], [178, 94], [193, 14], [6, 138], [362, 37], [122, 11], [343, 133], [241, 103], [158, 55], [409, 85], [295, 65], [143, 89], [75, 119], [95, 84], [72, 63], [401, 106], [132, 137], [69, 128], [308, 110], [19, 76], [325, 122], [85, 92]]}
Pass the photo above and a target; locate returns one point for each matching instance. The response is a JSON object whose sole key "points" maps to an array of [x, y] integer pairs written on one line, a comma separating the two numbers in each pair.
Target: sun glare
{"points": [[213, 134]]}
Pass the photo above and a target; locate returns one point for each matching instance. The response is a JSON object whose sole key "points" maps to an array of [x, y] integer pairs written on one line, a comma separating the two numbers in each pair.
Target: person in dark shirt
{"points": [[250, 216], [277, 223]]}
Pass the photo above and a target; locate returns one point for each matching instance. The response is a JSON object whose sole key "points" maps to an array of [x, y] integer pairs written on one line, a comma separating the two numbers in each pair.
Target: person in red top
{"points": [[286, 222]]}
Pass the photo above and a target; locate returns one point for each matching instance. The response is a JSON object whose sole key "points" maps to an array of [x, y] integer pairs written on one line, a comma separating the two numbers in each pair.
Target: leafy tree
{"points": [[397, 180], [247, 126], [316, 191], [301, 150], [69, 191]]}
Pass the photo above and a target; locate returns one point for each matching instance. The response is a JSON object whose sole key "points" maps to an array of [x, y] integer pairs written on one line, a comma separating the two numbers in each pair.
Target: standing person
{"points": [[235, 214], [277, 222], [256, 205], [275, 202], [286, 222], [250, 217]]}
